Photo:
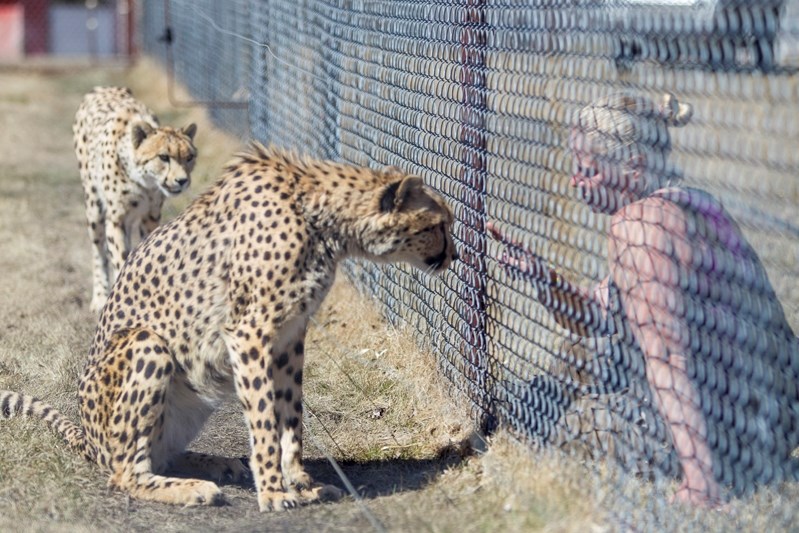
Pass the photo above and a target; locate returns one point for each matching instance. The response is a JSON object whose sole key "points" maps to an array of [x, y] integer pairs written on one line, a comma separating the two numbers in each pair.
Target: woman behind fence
{"points": [[686, 295]]}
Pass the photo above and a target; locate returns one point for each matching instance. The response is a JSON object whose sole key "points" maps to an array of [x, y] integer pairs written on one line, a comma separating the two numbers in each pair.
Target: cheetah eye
{"points": [[164, 158], [438, 228]]}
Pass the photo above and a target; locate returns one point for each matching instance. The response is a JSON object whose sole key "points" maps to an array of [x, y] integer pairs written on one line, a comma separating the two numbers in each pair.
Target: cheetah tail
{"points": [[16, 404]]}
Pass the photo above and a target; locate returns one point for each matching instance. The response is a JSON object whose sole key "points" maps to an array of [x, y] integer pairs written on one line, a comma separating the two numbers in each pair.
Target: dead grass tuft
{"points": [[359, 388]]}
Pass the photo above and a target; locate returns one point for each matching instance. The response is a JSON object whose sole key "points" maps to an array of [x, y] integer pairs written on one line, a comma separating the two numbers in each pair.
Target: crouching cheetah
{"points": [[128, 164], [217, 302]]}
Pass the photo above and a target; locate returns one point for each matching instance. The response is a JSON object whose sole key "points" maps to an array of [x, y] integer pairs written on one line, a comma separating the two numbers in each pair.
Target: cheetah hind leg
{"points": [[143, 391], [219, 469]]}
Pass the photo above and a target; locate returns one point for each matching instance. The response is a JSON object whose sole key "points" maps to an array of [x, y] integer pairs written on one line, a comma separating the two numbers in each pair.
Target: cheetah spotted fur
{"points": [[128, 164], [217, 302]]}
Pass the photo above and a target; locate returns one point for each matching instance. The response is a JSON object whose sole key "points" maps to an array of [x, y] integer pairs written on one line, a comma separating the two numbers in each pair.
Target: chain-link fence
{"points": [[97, 29], [623, 176]]}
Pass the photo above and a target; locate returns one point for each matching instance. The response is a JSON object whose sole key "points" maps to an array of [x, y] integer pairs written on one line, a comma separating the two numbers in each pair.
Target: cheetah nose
{"points": [[182, 181]]}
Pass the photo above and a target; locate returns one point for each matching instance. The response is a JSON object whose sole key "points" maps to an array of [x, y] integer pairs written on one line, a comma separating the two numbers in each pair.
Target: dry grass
{"points": [[375, 400]]}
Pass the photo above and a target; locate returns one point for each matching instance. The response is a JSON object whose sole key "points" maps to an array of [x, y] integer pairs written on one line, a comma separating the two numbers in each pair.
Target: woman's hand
{"points": [[517, 259]]}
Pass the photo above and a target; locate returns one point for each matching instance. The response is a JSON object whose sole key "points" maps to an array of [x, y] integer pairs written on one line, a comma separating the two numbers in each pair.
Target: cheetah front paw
{"points": [[299, 480], [278, 501], [200, 492]]}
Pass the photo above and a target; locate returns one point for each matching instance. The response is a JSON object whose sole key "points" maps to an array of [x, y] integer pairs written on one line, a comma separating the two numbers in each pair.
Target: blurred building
{"points": [[83, 28]]}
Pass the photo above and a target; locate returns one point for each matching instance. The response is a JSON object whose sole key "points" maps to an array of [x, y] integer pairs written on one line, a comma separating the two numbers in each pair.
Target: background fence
{"points": [[479, 97]]}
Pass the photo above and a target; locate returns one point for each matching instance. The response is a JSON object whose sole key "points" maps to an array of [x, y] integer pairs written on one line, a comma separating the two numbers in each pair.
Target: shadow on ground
{"points": [[371, 479]]}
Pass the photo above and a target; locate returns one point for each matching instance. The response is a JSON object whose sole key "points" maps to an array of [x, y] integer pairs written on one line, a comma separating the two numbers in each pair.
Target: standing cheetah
{"points": [[128, 164], [217, 302]]}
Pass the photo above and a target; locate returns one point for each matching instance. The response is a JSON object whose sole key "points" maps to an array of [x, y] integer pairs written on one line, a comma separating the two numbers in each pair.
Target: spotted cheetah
{"points": [[217, 302], [128, 164]]}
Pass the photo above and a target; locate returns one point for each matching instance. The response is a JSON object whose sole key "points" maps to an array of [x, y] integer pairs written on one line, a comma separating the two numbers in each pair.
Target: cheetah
{"points": [[128, 164], [216, 303]]}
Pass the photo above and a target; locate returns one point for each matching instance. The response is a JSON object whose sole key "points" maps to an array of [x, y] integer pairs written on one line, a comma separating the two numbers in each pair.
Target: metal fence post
{"points": [[471, 232]]}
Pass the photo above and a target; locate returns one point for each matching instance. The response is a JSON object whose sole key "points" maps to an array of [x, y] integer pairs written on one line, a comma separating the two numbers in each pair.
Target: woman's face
{"points": [[604, 185]]}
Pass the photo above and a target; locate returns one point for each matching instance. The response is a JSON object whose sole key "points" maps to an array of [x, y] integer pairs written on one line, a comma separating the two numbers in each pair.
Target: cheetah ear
{"points": [[396, 194], [190, 130], [393, 172], [139, 132]]}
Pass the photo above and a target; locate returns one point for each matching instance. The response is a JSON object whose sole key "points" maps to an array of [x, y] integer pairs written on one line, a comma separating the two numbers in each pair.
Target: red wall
{"points": [[11, 31], [35, 22]]}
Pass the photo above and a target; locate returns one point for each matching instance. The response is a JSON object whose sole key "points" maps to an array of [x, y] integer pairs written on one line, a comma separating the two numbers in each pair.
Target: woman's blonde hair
{"points": [[624, 127]]}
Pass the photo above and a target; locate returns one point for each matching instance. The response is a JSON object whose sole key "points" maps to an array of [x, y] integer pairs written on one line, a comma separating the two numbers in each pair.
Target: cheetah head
{"points": [[163, 156], [413, 225]]}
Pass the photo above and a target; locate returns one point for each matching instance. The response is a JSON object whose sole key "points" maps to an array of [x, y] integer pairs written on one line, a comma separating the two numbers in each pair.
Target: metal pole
{"points": [[471, 267]]}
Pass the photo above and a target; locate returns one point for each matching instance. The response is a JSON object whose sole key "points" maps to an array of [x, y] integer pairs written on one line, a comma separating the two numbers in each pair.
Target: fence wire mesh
{"points": [[188, 38], [623, 176]]}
